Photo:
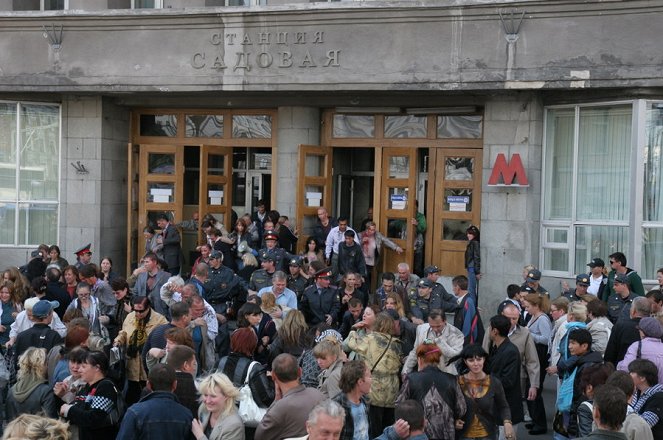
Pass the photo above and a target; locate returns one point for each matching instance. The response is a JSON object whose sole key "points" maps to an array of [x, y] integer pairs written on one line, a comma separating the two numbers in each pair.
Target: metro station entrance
{"points": [[222, 162], [398, 165]]}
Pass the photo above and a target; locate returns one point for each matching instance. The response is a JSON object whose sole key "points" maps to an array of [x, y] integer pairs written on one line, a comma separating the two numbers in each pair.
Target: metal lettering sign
{"points": [[506, 173]]}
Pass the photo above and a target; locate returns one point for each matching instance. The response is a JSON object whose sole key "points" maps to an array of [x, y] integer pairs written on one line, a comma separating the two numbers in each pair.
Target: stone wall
{"points": [[80, 213], [296, 125], [113, 202]]}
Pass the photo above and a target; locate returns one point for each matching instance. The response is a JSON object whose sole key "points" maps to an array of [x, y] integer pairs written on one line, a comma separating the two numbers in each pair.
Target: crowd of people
{"points": [[261, 342]]}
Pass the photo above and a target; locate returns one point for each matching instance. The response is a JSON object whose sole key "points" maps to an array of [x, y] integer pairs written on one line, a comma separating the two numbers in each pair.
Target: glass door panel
{"points": [[457, 205], [398, 201], [160, 187], [314, 189], [215, 183]]}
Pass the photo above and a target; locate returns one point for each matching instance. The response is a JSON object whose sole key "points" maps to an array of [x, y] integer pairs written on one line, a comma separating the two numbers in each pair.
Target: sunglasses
{"points": [[140, 311]]}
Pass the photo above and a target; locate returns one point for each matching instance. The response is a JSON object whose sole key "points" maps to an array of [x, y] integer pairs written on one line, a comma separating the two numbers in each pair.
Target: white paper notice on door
{"points": [[313, 198], [161, 195], [215, 197]]}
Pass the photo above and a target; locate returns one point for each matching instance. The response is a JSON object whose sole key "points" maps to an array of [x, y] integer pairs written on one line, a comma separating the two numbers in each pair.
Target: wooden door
{"points": [[314, 188], [457, 205], [159, 186], [397, 204], [133, 235], [216, 184]]}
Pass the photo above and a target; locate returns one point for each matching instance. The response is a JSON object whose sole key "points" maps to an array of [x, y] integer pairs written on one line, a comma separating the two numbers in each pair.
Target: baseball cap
{"points": [[43, 308], [216, 255], [596, 262]]}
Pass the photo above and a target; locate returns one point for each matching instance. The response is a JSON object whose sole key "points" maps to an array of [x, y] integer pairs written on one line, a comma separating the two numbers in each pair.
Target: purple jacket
{"points": [[652, 349]]}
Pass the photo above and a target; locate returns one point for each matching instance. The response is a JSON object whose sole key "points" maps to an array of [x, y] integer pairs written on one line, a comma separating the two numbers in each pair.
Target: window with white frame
{"points": [[29, 173], [146, 4], [652, 227], [594, 201]]}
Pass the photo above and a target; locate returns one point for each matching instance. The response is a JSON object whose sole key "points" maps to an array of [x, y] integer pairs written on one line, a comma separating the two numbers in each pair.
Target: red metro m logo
{"points": [[508, 171]]}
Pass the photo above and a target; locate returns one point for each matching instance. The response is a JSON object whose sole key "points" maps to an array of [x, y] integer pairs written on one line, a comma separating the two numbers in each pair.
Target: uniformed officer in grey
{"points": [[280, 256], [222, 287], [449, 301], [296, 282], [263, 277], [424, 301]]}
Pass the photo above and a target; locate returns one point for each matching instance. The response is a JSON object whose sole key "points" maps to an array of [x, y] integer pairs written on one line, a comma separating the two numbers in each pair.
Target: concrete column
{"points": [[296, 126], [93, 205], [114, 205], [509, 215], [80, 215]]}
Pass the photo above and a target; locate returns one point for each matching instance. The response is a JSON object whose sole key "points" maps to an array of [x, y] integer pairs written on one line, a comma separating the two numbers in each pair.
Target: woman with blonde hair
{"points": [[31, 427], [217, 415], [292, 337], [382, 353], [268, 305], [31, 393], [329, 356]]}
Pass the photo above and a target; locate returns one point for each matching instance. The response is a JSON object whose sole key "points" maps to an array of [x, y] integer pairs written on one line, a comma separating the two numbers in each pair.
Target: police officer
{"points": [[296, 282], [263, 277], [582, 283], [320, 302], [449, 302], [279, 255], [424, 301], [222, 288]]}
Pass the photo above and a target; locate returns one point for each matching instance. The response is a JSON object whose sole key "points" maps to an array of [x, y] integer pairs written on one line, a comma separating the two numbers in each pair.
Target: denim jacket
{"points": [[157, 415]]}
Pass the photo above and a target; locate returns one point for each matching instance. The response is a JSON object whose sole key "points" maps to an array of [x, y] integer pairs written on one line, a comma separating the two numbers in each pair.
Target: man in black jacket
{"points": [[55, 291], [350, 256], [504, 363], [40, 335], [626, 332], [320, 302], [581, 356]]}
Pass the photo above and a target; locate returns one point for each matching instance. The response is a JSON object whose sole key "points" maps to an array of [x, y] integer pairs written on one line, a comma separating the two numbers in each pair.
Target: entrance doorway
{"points": [[353, 177], [399, 165], [252, 177], [182, 162]]}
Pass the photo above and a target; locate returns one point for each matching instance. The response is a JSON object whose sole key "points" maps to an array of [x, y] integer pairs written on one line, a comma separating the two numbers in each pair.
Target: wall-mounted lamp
{"points": [[511, 24], [53, 35], [80, 168]]}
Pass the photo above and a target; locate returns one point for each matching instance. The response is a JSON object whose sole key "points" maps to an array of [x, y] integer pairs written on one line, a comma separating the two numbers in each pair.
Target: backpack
{"points": [[565, 392], [564, 342], [261, 386], [116, 414]]}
